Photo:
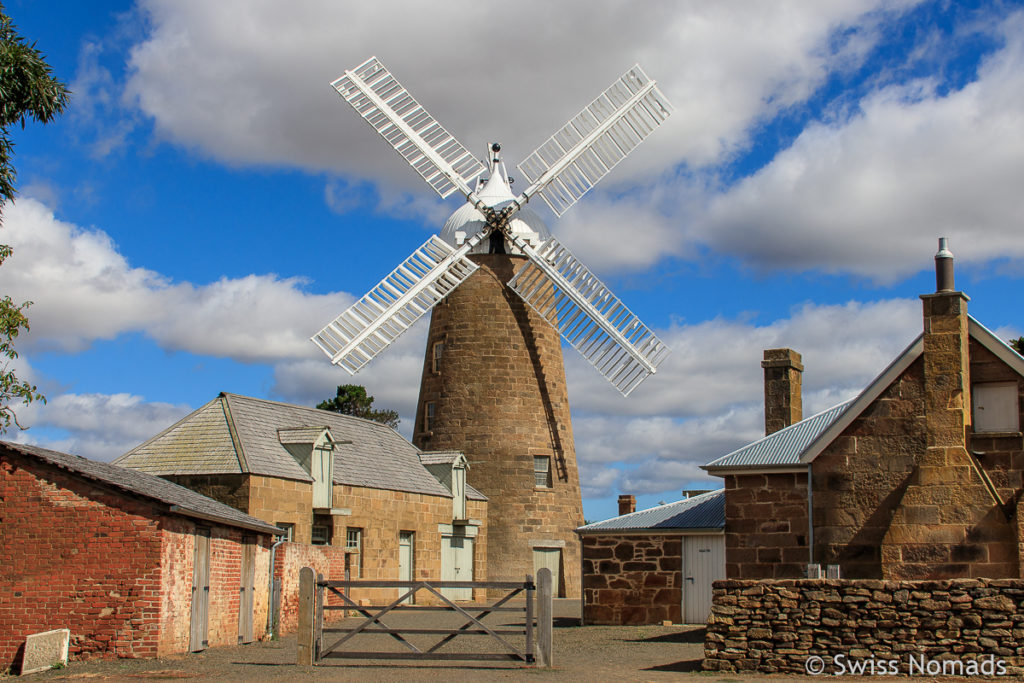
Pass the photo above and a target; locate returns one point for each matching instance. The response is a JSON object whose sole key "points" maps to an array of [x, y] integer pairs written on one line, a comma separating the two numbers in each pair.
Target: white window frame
{"points": [[354, 550], [542, 477]]}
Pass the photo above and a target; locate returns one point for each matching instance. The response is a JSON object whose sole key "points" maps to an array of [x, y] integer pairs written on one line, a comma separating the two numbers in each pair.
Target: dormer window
{"points": [[459, 493], [313, 448], [449, 468]]}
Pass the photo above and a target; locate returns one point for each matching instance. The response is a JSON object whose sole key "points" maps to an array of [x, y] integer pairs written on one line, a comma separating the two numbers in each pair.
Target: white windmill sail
{"points": [[585, 149], [430, 149], [371, 324], [587, 315]]}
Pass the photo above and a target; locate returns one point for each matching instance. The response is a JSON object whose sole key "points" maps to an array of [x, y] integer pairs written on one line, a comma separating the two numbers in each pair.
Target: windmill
{"points": [[493, 383]]}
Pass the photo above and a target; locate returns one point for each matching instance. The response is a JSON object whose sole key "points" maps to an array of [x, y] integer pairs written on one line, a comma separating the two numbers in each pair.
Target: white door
{"points": [[550, 558], [703, 562], [457, 565], [405, 561]]}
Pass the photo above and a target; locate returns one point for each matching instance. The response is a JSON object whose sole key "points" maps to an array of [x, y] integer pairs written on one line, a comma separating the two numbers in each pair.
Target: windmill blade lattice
{"points": [[371, 324], [585, 149], [588, 315], [396, 115]]}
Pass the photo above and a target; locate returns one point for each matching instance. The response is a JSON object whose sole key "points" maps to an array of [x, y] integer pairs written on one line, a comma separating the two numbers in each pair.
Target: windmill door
{"points": [[405, 561], [703, 562], [247, 591], [550, 558], [457, 565], [200, 626]]}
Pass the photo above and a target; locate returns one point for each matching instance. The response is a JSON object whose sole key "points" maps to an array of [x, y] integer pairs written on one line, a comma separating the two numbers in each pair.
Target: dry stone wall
{"points": [[949, 627]]}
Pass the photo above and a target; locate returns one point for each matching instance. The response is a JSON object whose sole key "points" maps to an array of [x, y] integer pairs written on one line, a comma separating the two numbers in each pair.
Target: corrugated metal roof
{"points": [[187, 501], [784, 446], [706, 511]]}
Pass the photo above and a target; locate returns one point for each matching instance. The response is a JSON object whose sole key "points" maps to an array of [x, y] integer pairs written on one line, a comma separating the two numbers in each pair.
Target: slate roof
{"points": [[783, 447], [703, 512], [235, 434], [439, 457], [182, 500]]}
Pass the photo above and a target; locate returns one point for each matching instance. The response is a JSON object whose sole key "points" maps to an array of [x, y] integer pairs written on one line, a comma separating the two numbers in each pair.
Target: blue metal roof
{"points": [[783, 447], [706, 511]]}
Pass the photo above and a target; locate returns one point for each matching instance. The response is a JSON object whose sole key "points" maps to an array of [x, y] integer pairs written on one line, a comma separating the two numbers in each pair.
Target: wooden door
{"points": [[551, 558], [457, 565], [703, 562], [200, 625], [247, 590]]}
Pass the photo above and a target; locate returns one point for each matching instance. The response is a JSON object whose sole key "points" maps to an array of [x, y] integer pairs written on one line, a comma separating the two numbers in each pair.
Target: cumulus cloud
{"points": [[98, 426], [912, 163], [205, 75], [83, 289]]}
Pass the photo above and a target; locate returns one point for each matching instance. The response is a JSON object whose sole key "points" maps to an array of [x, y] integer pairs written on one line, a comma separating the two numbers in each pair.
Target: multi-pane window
{"points": [[321, 534], [289, 530], [429, 411], [435, 357], [354, 551], [542, 471]]}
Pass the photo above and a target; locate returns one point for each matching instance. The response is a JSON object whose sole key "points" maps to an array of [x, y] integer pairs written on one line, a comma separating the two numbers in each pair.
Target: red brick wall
{"points": [[766, 526], [632, 579], [75, 556]]}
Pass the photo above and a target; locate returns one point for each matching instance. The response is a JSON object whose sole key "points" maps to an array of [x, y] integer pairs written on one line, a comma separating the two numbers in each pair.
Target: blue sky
{"points": [[208, 202]]}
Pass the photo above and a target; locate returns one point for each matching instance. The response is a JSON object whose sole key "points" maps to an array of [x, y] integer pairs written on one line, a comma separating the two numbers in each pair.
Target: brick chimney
{"points": [[627, 504], [783, 402]]}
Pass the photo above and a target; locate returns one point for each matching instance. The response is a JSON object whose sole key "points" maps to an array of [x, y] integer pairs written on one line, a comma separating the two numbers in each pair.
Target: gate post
{"points": [[307, 582], [544, 618]]}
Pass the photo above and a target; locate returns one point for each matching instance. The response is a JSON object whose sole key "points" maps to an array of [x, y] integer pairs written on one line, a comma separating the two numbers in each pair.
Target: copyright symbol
{"points": [[815, 666]]}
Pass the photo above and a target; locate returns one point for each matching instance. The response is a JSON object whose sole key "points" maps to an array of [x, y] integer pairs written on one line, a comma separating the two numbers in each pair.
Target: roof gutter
{"points": [[261, 528]]}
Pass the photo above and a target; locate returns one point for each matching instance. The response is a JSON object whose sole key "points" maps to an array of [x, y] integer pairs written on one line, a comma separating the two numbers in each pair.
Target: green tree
{"points": [[27, 90], [1017, 345], [352, 400]]}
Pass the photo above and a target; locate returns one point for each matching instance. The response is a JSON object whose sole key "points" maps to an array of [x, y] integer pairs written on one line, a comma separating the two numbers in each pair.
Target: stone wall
{"points": [[500, 397], [632, 579], [766, 525], [903, 626]]}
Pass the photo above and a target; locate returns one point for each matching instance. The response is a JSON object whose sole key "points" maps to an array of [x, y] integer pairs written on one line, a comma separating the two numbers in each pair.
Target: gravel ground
{"points": [[593, 653]]}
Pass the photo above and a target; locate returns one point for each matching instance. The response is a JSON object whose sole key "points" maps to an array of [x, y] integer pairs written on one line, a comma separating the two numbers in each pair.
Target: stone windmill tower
{"points": [[502, 290]]}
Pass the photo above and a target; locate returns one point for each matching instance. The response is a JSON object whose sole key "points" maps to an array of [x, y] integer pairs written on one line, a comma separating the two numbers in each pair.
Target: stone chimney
{"points": [[627, 504], [783, 402]]}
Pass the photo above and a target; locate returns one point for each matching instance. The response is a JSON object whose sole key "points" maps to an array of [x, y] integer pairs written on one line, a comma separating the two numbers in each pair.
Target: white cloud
{"points": [[247, 82], [83, 289], [912, 164], [98, 426]]}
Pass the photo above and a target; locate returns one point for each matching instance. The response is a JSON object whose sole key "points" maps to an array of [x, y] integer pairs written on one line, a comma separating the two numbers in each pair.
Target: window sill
{"points": [[999, 435], [550, 489]]}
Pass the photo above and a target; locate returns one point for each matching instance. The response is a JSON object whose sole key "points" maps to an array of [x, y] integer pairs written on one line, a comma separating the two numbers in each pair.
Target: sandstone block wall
{"points": [[632, 579], [766, 533], [277, 500], [499, 395], [776, 626]]}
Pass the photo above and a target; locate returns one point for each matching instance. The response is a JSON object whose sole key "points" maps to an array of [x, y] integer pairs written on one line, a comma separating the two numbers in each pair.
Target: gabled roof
{"points": [[783, 447], [800, 443], [181, 500], [237, 434], [703, 512], [441, 457]]}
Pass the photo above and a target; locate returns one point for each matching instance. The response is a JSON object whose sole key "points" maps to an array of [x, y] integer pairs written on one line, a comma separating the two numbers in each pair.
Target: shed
{"points": [[654, 565], [133, 565]]}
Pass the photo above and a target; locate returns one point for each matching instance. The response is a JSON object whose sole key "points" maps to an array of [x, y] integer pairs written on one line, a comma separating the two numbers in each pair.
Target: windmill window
{"points": [[996, 408], [542, 471], [429, 411], [435, 357]]}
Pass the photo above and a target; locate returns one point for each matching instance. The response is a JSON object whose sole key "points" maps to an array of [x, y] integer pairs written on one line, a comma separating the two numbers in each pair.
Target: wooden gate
{"points": [[318, 642]]}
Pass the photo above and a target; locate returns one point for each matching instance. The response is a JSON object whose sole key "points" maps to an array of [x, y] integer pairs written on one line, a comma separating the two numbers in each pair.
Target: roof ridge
{"points": [[236, 439], [160, 434], [319, 410]]}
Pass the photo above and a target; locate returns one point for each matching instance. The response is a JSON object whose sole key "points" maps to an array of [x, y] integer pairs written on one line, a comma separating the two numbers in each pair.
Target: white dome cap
{"points": [[496, 193]]}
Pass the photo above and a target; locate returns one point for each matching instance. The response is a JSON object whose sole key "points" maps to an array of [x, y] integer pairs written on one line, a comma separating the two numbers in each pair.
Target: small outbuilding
{"points": [[654, 565], [133, 565]]}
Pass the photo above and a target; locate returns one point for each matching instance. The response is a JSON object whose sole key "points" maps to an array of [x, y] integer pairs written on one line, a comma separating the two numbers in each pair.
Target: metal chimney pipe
{"points": [[944, 268]]}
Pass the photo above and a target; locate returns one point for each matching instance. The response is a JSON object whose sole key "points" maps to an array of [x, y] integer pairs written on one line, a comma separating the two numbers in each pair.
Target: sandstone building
{"points": [[382, 508], [921, 476], [131, 564]]}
